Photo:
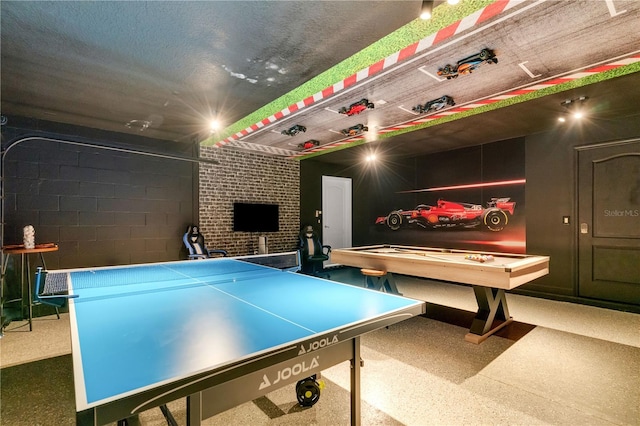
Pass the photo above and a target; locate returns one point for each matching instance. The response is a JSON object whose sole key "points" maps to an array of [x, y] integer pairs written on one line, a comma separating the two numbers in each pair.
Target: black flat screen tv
{"points": [[249, 217]]}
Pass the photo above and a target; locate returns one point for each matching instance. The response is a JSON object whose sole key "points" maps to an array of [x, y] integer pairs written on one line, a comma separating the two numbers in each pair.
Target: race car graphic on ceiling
{"points": [[449, 214], [434, 105], [311, 143], [294, 130], [354, 130], [468, 64], [356, 107]]}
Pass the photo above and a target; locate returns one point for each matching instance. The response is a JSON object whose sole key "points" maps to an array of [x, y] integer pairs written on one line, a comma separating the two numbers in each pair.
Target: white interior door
{"points": [[336, 212]]}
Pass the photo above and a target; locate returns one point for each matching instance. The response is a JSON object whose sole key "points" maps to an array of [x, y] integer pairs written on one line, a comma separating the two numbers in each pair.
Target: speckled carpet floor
{"points": [[557, 364]]}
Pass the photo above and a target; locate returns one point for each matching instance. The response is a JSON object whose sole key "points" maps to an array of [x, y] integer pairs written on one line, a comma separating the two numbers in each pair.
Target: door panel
{"points": [[609, 222], [336, 211]]}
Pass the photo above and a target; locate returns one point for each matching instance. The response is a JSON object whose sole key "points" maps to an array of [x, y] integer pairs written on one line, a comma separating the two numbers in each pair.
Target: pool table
{"points": [[490, 274]]}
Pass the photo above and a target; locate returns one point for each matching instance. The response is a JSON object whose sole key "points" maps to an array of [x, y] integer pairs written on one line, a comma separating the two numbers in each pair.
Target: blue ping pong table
{"points": [[218, 332]]}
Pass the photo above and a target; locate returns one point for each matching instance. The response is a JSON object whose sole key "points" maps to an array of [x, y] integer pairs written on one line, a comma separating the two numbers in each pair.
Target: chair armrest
{"points": [[197, 256], [58, 300], [326, 250], [218, 251], [59, 296]]}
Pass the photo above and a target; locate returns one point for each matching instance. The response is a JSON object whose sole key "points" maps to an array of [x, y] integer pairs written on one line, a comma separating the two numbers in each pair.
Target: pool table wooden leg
{"points": [[492, 305]]}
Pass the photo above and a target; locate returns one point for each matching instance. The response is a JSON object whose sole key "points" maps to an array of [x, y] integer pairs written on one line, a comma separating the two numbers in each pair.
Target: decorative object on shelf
{"points": [[29, 237]]}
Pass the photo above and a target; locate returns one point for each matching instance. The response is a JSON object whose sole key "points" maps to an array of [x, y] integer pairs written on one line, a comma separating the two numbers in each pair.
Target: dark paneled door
{"points": [[609, 222]]}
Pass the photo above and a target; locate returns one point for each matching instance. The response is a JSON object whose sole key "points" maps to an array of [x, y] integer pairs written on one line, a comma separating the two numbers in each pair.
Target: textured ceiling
{"points": [[173, 65], [164, 69]]}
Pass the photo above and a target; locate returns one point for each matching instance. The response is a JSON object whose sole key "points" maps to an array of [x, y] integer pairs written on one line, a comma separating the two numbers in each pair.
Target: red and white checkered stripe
{"points": [[464, 24], [519, 92]]}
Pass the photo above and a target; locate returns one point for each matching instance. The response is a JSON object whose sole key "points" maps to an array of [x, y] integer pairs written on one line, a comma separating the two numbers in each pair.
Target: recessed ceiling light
{"points": [[425, 11], [575, 107]]}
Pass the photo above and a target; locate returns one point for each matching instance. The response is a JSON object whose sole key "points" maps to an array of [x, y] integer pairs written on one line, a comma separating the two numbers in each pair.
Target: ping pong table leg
{"points": [[355, 383], [171, 421], [194, 409]]}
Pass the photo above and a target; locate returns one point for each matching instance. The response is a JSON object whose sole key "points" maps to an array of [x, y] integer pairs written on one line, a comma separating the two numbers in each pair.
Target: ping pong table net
{"points": [[57, 293], [56, 282], [289, 261]]}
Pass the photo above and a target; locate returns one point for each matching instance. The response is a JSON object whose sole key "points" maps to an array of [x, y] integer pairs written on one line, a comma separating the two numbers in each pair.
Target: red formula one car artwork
{"points": [[309, 144], [448, 214], [434, 105], [468, 64], [356, 108], [354, 130]]}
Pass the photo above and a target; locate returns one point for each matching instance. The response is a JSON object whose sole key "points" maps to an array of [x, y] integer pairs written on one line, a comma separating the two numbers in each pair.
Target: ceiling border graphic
{"points": [[449, 31]]}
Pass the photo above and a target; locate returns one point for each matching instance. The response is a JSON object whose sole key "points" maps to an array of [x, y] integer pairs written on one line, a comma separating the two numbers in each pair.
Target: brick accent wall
{"points": [[247, 177]]}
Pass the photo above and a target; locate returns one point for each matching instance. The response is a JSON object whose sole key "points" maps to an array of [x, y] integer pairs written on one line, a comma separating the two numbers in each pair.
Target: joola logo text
{"points": [[288, 372], [317, 344]]}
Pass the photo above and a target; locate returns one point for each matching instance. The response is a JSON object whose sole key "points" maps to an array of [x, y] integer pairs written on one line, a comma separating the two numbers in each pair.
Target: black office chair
{"points": [[312, 252], [51, 291], [194, 241]]}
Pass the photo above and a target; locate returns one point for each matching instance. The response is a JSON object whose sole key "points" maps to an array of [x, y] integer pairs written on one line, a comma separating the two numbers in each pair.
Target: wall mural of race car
{"points": [[468, 64], [448, 214]]}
